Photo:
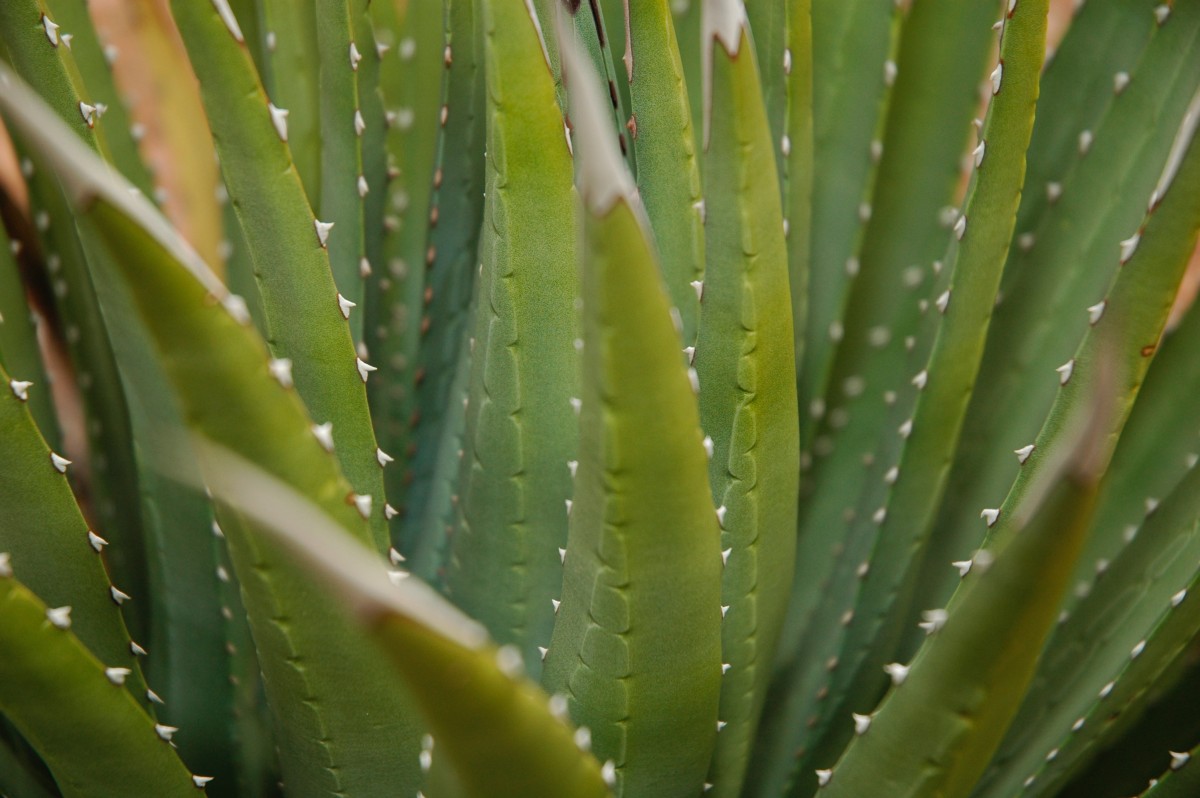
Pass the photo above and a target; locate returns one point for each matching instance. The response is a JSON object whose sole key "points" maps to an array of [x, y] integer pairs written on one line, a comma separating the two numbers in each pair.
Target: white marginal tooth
{"points": [[395, 557], [6, 565], [88, 112], [97, 543], [136, 650], [509, 661], [996, 76], [59, 617], [51, 29], [355, 56], [690, 351], [542, 652], [990, 515], [724, 610], [230, 20], [960, 227], [200, 781], [1178, 760], [725, 556], [390, 512], [117, 675], [1161, 12], [360, 124], [573, 467], [279, 118], [978, 152], [1053, 191], [721, 725], [562, 556], [725, 668], [154, 698], [698, 287], [721, 516], [396, 577], [323, 229], [1096, 311], [118, 596], [609, 773], [363, 188], [20, 389], [382, 457], [344, 305], [823, 777], [861, 723], [943, 301], [921, 379], [281, 370], [324, 435], [583, 738], [568, 502], [934, 620], [364, 368], [555, 603], [1065, 371], [1120, 81], [165, 732], [576, 404], [897, 671], [558, 705], [363, 503], [1178, 598], [60, 462], [236, 306], [708, 446], [963, 566], [1023, 453], [1129, 246]]}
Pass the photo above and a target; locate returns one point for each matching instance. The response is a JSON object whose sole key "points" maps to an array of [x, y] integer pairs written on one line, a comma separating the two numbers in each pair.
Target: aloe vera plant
{"points": [[736, 397]]}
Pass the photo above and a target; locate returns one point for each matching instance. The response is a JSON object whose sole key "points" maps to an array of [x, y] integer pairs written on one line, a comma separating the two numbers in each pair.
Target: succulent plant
{"points": [[611, 398]]}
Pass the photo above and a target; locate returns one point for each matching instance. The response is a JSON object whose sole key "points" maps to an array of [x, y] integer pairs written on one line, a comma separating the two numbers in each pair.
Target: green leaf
{"points": [[745, 364], [665, 154], [636, 647], [19, 351], [343, 125], [450, 260], [411, 82], [850, 97], [306, 322], [53, 550], [290, 76], [96, 738], [521, 432]]}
